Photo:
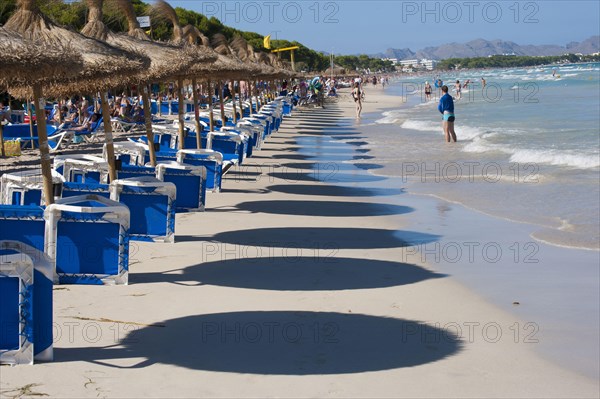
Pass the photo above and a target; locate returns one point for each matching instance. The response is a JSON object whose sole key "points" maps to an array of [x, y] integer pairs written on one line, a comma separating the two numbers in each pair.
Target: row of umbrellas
{"points": [[44, 58]]}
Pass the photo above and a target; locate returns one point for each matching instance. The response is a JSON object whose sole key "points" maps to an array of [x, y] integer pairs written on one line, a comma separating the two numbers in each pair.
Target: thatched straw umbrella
{"points": [[24, 61], [220, 44], [258, 60], [221, 67], [103, 66], [164, 10], [224, 67], [165, 60], [27, 62]]}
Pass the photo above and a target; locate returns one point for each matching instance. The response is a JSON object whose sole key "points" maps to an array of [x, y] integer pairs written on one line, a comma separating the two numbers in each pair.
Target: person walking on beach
{"points": [[458, 89], [446, 108], [356, 94], [427, 91], [483, 83]]}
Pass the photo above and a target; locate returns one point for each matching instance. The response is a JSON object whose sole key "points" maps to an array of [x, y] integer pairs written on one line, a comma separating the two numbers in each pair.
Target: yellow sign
{"points": [[267, 42]]}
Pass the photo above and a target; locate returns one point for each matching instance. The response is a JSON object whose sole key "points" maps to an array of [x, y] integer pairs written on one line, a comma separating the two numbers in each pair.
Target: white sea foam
{"points": [[390, 117], [555, 157], [423, 126], [549, 157]]}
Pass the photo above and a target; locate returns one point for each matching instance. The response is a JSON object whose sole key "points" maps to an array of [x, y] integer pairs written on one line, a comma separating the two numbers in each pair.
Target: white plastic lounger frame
{"points": [[20, 267], [209, 155], [43, 278], [230, 132], [163, 188], [113, 211], [23, 181], [81, 162], [122, 126], [59, 139], [136, 150], [194, 170]]}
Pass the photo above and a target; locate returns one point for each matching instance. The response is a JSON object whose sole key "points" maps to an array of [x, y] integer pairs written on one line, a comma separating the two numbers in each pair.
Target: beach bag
{"points": [[77, 139], [12, 148]]}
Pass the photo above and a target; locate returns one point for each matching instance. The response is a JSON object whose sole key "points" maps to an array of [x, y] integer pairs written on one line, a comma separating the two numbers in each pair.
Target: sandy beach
{"points": [[295, 282]]}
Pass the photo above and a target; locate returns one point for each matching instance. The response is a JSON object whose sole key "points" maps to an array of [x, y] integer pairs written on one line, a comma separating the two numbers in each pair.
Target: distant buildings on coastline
{"points": [[413, 64]]}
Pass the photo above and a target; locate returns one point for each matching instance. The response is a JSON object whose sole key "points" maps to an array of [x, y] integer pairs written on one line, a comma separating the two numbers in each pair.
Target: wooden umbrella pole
{"points": [[240, 98], [30, 112], [197, 115], [257, 95], [233, 102], [250, 94], [44, 151], [1, 140], [273, 90], [254, 92], [221, 103], [108, 136], [180, 113], [60, 115], [148, 121], [210, 108]]}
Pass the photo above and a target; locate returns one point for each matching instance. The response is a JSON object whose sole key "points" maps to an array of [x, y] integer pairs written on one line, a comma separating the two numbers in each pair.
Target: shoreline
{"points": [[562, 230], [280, 248], [546, 250]]}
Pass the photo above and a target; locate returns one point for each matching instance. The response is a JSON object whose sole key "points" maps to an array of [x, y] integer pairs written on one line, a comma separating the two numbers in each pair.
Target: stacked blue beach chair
{"points": [[83, 237], [26, 281], [152, 206]]}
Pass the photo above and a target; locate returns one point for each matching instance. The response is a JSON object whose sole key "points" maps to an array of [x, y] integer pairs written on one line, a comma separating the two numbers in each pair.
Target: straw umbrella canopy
{"points": [[225, 67], [166, 60], [104, 66], [24, 61], [164, 10], [27, 62], [221, 45], [259, 60]]}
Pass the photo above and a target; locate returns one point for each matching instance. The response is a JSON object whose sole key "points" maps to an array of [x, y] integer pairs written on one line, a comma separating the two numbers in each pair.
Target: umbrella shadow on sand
{"points": [[294, 176], [321, 208], [315, 237], [333, 191], [276, 343], [289, 269]]}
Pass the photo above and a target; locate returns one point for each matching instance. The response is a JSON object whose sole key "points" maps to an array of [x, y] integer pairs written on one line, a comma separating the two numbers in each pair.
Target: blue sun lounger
{"points": [[26, 187], [131, 171], [151, 203], [26, 281], [128, 152], [190, 181], [88, 238], [82, 168], [74, 189], [210, 159], [57, 139]]}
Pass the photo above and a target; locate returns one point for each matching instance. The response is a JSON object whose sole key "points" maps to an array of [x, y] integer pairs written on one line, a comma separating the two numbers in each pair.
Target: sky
{"points": [[353, 27]]}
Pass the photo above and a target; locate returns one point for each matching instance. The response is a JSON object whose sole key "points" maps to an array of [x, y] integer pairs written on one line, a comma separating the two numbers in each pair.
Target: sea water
{"points": [[528, 147]]}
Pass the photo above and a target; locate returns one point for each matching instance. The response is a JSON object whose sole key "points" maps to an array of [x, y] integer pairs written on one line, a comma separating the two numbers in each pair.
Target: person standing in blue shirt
{"points": [[446, 108]]}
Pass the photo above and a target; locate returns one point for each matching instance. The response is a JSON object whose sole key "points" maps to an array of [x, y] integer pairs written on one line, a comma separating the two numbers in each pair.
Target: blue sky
{"points": [[349, 26]]}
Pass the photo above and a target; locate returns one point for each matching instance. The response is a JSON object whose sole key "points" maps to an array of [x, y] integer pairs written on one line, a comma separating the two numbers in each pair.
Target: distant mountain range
{"points": [[484, 48]]}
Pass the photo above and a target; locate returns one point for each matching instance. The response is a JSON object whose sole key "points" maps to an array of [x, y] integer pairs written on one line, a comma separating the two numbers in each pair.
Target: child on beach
{"points": [[446, 108]]}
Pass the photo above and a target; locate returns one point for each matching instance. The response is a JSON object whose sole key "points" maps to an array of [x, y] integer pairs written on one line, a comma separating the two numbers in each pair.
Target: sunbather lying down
{"points": [[86, 125]]}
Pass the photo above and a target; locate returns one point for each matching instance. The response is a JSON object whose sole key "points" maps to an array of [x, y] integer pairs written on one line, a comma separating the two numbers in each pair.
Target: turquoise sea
{"points": [[528, 150]]}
